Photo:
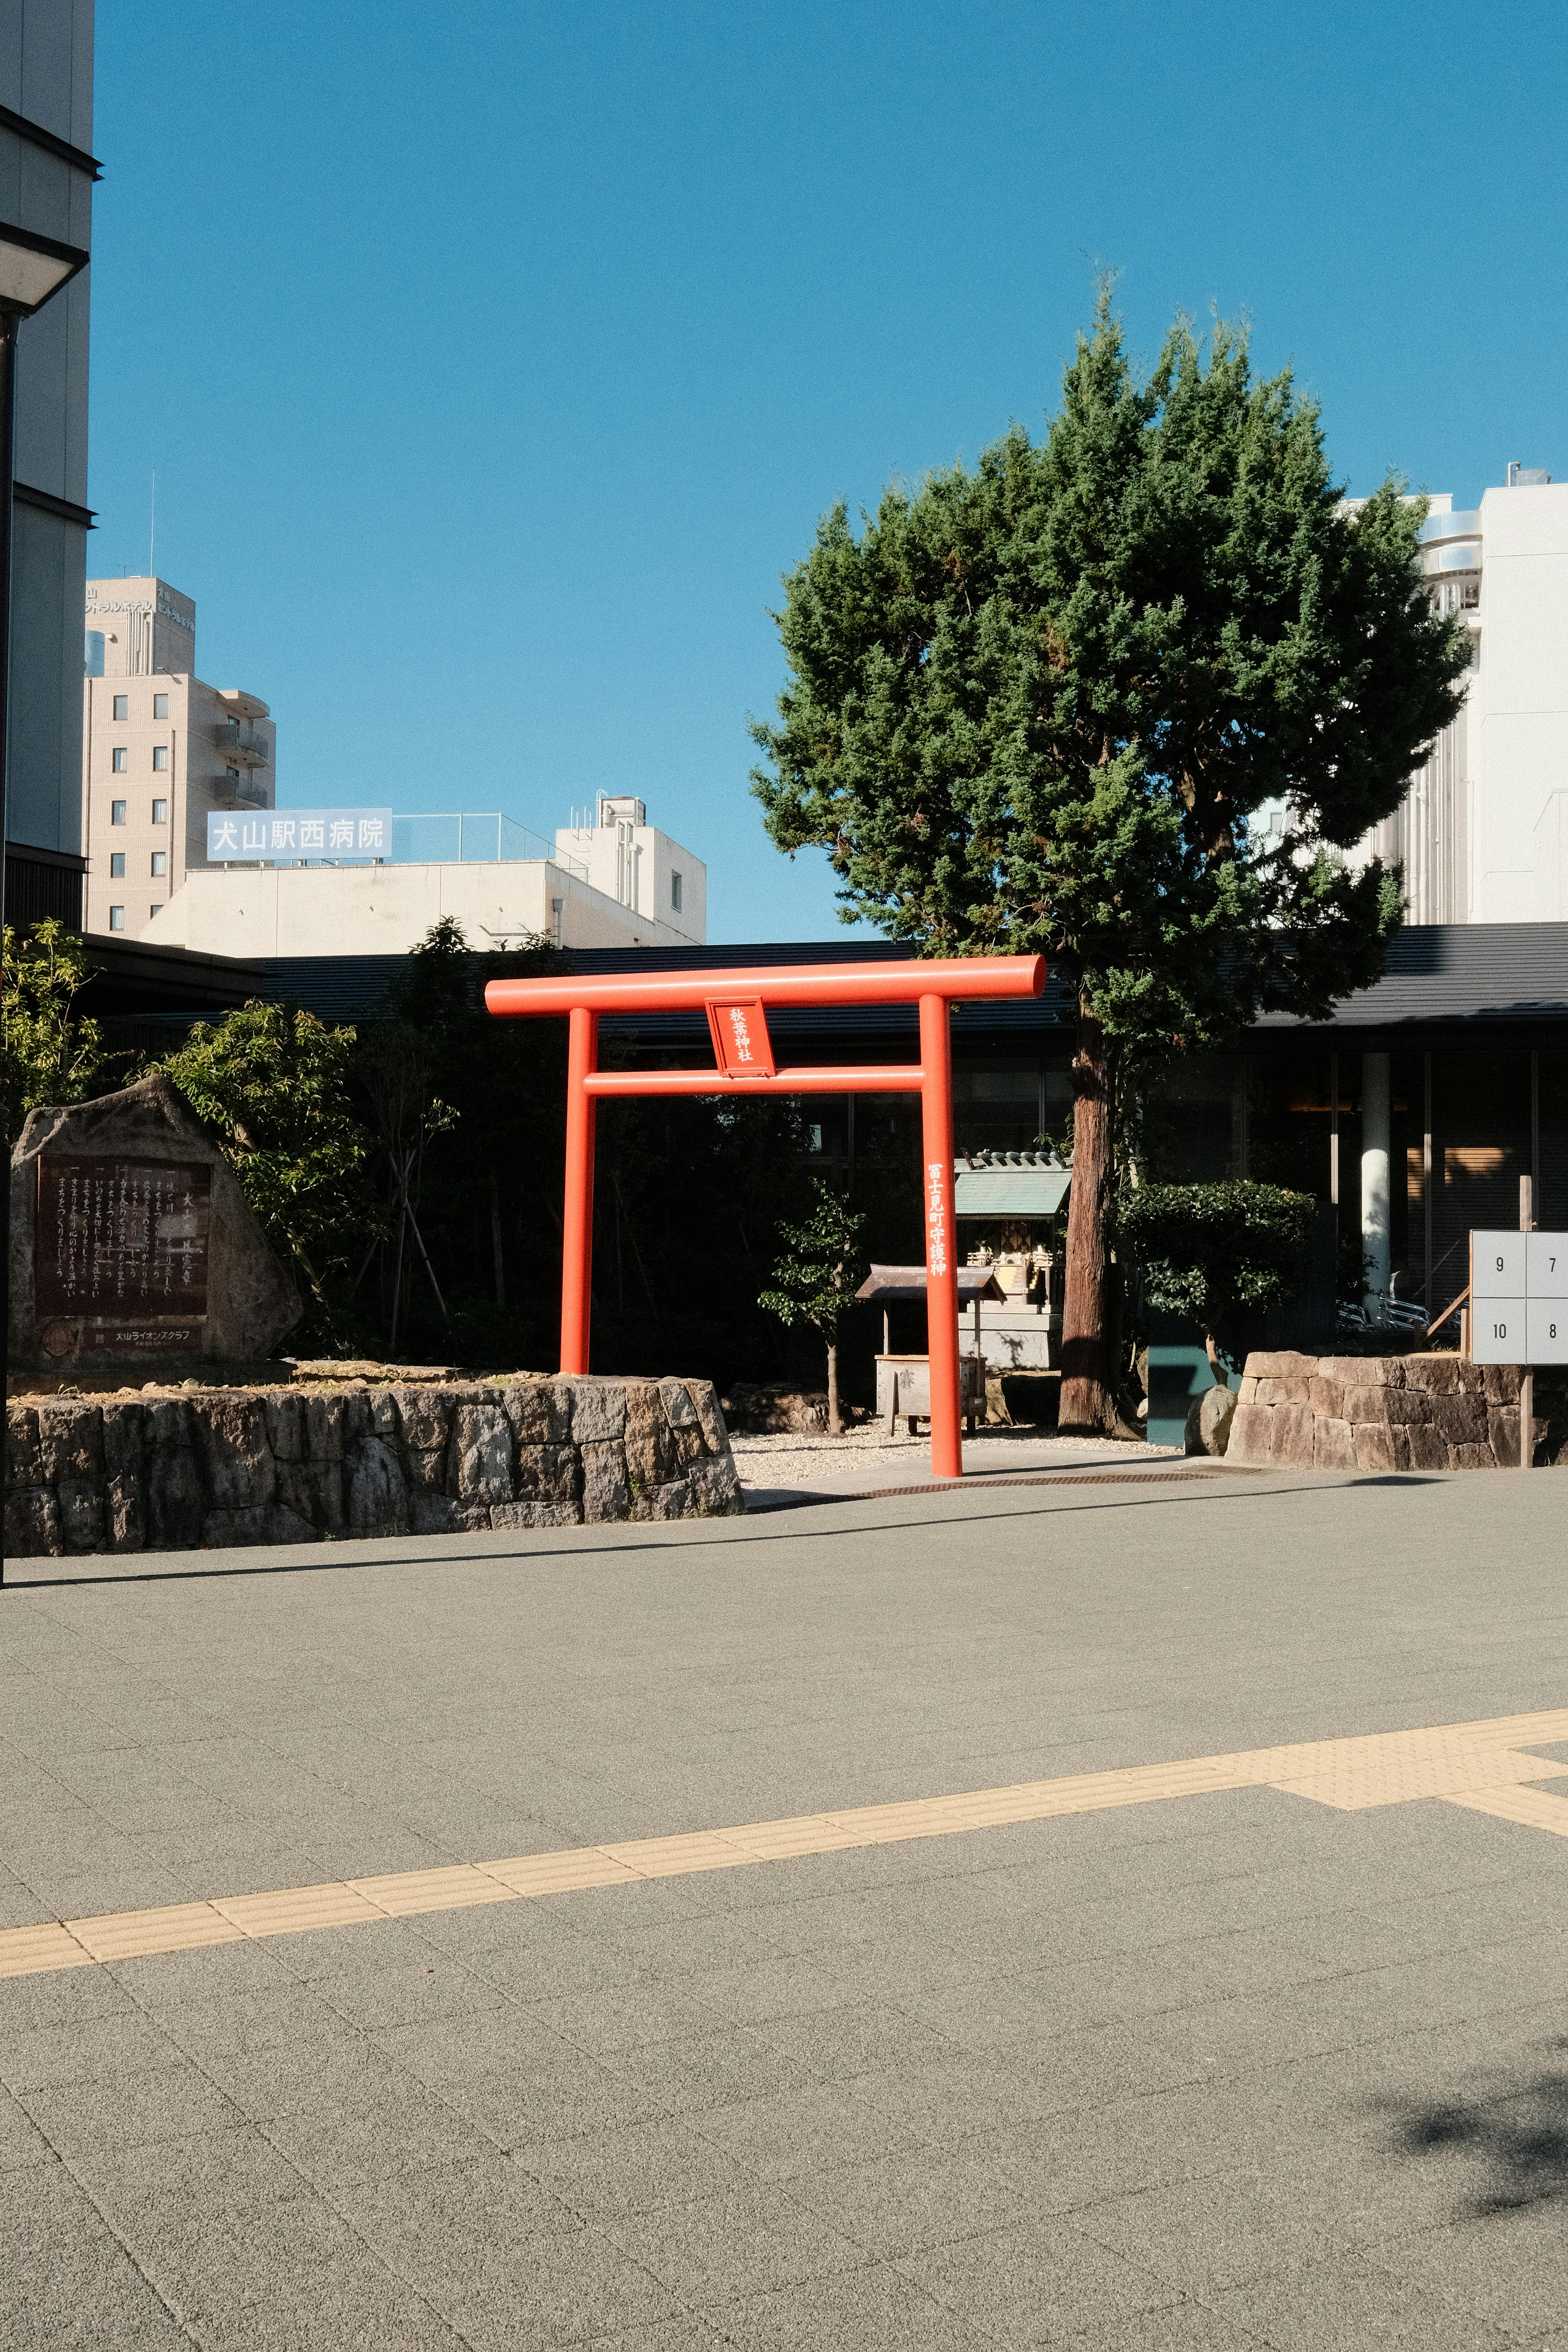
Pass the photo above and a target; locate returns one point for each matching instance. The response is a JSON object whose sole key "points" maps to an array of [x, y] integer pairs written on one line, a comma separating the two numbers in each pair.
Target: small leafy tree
{"points": [[271, 1081], [1207, 1250], [53, 1053], [815, 1278]]}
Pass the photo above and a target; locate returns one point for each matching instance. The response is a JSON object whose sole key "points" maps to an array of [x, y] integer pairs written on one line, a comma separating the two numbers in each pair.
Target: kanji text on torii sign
{"points": [[270, 836], [743, 1058]]}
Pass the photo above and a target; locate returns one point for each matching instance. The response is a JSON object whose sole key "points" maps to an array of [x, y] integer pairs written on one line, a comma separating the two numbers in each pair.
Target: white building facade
{"points": [[1482, 832]]}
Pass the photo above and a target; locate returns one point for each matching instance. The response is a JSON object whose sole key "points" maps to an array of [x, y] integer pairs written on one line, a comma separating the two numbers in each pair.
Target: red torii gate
{"points": [[736, 1004]]}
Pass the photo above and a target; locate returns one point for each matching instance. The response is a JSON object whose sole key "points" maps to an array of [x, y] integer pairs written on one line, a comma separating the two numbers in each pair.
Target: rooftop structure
{"points": [[161, 752]]}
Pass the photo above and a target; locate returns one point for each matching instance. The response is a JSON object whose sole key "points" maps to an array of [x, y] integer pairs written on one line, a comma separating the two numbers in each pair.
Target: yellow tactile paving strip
{"points": [[1481, 1765]]}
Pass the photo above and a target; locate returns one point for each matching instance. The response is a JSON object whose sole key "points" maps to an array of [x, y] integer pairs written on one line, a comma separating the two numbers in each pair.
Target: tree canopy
{"points": [[1207, 1250], [815, 1279], [1124, 696]]}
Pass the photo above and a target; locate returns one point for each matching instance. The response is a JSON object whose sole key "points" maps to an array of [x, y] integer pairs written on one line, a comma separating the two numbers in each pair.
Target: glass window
{"points": [[159, 812], [122, 706], [152, 910], [675, 892], [122, 760], [159, 755], [116, 864], [160, 706], [160, 861], [117, 918], [117, 812]]}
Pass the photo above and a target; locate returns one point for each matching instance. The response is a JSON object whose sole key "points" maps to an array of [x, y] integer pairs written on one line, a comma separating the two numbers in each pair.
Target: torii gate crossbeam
{"points": [[736, 1003]]}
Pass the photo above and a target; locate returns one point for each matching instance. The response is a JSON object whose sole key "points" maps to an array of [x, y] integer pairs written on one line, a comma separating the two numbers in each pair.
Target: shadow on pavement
{"points": [[1519, 2137]]}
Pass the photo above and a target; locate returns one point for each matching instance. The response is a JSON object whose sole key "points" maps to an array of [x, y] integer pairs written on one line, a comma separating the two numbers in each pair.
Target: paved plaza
{"points": [[1124, 1915]]}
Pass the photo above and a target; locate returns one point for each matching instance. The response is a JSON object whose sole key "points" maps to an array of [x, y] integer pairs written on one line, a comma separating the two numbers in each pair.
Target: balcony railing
{"points": [[241, 745]]}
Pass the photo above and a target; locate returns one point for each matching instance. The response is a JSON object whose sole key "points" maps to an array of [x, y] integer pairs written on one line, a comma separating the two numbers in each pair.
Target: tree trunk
{"points": [[835, 1426], [1211, 1343], [1088, 1405]]}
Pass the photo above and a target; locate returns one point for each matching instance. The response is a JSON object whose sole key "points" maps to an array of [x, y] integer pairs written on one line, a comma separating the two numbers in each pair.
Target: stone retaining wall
{"points": [[1389, 1413], [172, 1471]]}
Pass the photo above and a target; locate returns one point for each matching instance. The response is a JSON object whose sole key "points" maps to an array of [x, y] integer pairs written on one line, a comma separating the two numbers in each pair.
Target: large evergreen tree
{"points": [[1039, 705]]}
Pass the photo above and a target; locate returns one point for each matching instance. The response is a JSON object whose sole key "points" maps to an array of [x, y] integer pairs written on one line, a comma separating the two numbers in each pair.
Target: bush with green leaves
{"points": [[815, 1278], [272, 1083], [1207, 1250], [53, 1053]]}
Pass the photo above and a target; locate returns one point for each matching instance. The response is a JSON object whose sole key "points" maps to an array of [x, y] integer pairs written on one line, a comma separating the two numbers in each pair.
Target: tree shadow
{"points": [[1520, 2136]]}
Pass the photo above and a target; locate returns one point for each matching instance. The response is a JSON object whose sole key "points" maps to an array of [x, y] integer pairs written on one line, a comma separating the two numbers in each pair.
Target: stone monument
{"points": [[132, 1247]]}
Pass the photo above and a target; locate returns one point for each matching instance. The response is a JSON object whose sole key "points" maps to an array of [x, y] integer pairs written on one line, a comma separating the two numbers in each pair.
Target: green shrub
{"points": [[1207, 1250]]}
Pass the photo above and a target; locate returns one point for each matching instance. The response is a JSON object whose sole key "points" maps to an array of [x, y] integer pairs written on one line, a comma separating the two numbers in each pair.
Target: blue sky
{"points": [[495, 360]]}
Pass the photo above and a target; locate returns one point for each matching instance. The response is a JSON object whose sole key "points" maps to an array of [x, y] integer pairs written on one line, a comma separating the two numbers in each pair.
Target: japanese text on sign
{"points": [[121, 1241], [936, 1217], [266, 835], [742, 1046]]}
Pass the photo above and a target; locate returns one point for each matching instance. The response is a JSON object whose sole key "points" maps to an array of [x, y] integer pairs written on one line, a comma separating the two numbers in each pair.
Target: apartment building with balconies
{"points": [[160, 750]]}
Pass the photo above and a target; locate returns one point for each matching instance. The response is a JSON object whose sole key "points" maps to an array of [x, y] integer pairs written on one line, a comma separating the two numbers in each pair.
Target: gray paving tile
{"points": [[21, 2141], [1222, 2230], [75, 2053], [1181, 2328], [662, 2162], [707, 2069], [1034, 2281], [559, 2288], [445, 2224], [920, 2197], [745, 2241], [215, 2172], [125, 2110], [1351, 2302], [870, 2310], [66, 2283], [406, 2127], [801, 2131]]}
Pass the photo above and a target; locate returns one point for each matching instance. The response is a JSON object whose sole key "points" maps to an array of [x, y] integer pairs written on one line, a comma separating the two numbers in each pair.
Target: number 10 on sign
{"points": [[1518, 1297]]}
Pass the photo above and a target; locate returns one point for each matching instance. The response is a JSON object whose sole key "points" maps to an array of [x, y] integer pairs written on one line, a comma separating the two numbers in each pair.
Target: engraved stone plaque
{"points": [[122, 1244]]}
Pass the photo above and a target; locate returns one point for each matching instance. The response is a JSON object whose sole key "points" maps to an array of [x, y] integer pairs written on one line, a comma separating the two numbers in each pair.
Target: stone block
{"points": [[535, 1514], [1291, 1439], [1474, 1457], [359, 1416], [383, 1420], [426, 1472], [1248, 1392], [1272, 1391], [1374, 1448], [1502, 1429], [81, 1513], [375, 1499], [714, 1487], [546, 1474], [257, 1523], [1438, 1375], [1349, 1371], [125, 1440], [709, 1416], [481, 1467], [1399, 1437], [70, 1439], [231, 1437], [1280, 1364], [125, 1517], [285, 1425], [1461, 1418], [425, 1419], [33, 1524], [539, 1410], [599, 1410], [24, 1461], [313, 1491], [652, 1456], [1384, 1402], [1209, 1417], [1327, 1398], [1333, 1447], [176, 1500], [1250, 1435], [438, 1514], [670, 1501], [606, 1492], [1502, 1382], [324, 1420], [1429, 1447], [1473, 1379], [168, 1421]]}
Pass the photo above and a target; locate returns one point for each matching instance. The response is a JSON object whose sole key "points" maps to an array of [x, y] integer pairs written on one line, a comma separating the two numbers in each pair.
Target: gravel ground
{"points": [[794, 1459]]}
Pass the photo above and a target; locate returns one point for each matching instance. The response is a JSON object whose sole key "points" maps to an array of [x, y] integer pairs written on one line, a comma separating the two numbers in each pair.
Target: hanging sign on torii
{"points": [[736, 1004]]}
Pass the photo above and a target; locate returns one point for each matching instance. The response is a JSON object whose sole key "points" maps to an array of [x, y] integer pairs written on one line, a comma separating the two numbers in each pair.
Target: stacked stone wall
{"points": [[1389, 1413], [175, 1471]]}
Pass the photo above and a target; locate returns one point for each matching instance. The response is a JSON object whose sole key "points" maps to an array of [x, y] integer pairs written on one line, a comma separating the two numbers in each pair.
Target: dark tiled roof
{"points": [[1460, 975]]}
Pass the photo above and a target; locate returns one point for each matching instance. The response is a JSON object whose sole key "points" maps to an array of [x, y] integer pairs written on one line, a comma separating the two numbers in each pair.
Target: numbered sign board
{"points": [[1519, 1298]]}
